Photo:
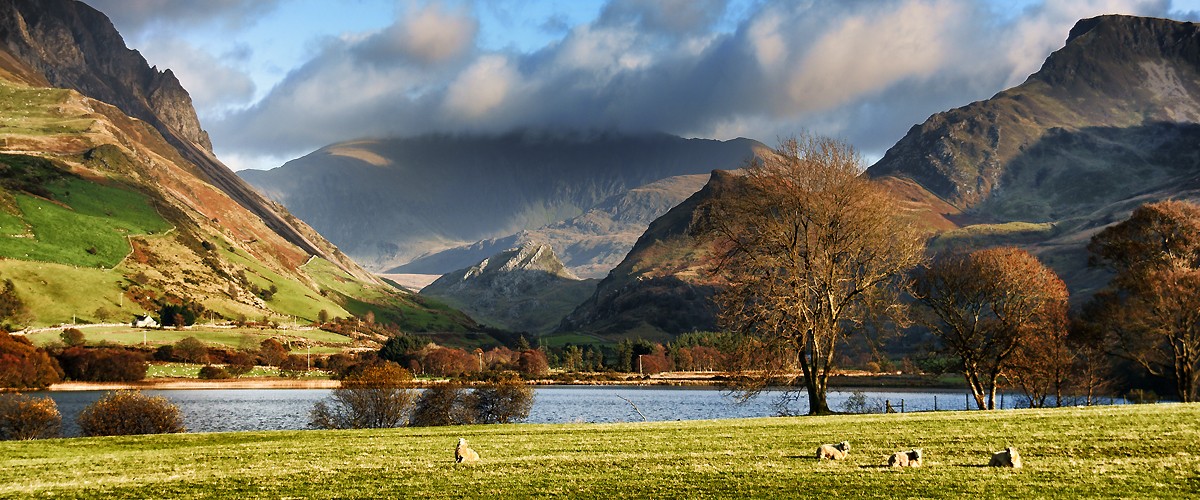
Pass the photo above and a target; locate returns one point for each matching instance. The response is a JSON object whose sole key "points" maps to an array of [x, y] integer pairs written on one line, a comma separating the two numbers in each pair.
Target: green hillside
{"points": [[1098, 452]]}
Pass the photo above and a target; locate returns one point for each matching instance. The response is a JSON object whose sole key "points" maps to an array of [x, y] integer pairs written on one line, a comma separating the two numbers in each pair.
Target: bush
{"points": [[379, 397], [190, 350], [124, 413], [293, 366], [211, 372], [272, 352], [72, 337], [506, 400], [26, 417], [532, 363], [23, 366], [103, 365], [444, 404], [240, 363]]}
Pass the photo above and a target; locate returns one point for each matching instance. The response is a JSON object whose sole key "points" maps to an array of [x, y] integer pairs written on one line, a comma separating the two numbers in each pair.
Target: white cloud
{"points": [[214, 85], [865, 71]]}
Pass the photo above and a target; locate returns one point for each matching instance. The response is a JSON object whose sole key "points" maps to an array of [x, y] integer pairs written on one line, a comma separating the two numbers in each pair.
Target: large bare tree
{"points": [[1150, 312], [810, 251], [985, 305]]}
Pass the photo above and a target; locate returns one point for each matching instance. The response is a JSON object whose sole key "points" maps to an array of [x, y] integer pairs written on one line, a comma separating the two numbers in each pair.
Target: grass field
{"points": [[222, 337], [1120, 451]]}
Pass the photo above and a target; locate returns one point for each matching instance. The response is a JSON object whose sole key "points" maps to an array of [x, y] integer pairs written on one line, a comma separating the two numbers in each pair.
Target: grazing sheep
{"points": [[463, 453], [910, 458], [833, 451], [1007, 458]]}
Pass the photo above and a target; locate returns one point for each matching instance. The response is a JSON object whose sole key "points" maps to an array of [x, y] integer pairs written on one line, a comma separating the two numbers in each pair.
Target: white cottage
{"points": [[146, 321]]}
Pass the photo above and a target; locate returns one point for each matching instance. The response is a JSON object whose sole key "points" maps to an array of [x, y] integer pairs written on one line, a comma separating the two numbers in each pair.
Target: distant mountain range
{"points": [[591, 244], [522, 289], [390, 202], [1111, 121], [111, 202]]}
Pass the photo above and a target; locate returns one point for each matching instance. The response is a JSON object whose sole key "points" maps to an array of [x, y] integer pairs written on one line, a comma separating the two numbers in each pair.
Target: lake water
{"points": [[223, 410]]}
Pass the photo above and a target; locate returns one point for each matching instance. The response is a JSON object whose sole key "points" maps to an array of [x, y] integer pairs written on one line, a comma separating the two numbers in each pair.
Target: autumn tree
{"points": [[1150, 312], [810, 252], [124, 413], [25, 366], [985, 305], [380, 397]]}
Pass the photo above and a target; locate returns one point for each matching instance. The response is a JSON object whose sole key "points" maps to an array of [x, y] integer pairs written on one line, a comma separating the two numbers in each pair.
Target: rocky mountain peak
{"points": [[77, 47], [529, 257]]}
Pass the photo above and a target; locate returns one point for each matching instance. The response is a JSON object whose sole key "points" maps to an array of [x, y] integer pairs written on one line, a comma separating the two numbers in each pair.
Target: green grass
{"points": [[221, 337], [34, 111], [191, 370], [1110, 452], [57, 291], [86, 225], [1010, 233], [409, 311]]}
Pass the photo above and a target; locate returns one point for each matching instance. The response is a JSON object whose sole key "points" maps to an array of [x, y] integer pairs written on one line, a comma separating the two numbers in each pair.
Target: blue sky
{"points": [[276, 79]]}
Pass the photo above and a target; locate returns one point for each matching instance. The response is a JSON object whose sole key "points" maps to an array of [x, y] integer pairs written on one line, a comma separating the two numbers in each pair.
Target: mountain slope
{"points": [[525, 288], [102, 216], [68, 44], [387, 202], [1111, 121], [590, 244], [1107, 123]]}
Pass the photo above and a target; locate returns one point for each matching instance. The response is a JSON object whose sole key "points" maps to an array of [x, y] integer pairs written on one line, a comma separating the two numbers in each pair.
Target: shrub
{"points": [[190, 350], [124, 413], [26, 417], [211, 372], [293, 366], [444, 404], [379, 397], [500, 402], [103, 365], [272, 352], [240, 363], [532, 363], [23, 366], [72, 337]]}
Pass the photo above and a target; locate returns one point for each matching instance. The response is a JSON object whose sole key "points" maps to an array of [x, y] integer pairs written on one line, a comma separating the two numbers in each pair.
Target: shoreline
{"points": [[672, 379]]}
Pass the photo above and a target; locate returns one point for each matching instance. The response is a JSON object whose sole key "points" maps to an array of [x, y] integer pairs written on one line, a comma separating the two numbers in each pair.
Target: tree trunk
{"points": [[817, 404]]}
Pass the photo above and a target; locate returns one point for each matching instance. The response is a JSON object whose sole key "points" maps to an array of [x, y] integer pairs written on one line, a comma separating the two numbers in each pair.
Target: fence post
{"points": [[901, 405], [935, 402]]}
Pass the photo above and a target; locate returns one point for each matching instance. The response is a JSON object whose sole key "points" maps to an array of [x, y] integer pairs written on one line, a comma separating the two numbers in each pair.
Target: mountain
{"points": [[387, 202], [590, 244], [112, 204], [1110, 121], [660, 289], [526, 288]]}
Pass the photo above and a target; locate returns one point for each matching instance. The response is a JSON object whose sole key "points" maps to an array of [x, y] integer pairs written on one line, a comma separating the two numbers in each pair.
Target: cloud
{"points": [[865, 71], [214, 85], [133, 16], [428, 35]]}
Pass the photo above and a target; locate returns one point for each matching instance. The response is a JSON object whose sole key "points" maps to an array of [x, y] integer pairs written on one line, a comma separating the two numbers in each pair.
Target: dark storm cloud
{"points": [[865, 71]]}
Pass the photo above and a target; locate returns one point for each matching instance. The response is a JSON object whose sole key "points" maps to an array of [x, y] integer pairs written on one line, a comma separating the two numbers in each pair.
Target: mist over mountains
{"points": [[387, 202]]}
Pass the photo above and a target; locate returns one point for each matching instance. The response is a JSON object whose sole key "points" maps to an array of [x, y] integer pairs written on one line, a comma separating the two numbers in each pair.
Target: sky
{"points": [[273, 80]]}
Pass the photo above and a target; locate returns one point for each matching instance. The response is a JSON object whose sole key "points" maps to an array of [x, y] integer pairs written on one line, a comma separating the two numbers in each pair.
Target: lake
{"points": [[223, 410]]}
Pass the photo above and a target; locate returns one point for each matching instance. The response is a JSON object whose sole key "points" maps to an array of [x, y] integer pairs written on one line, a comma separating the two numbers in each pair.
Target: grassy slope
{"points": [[222, 337], [1097, 452]]}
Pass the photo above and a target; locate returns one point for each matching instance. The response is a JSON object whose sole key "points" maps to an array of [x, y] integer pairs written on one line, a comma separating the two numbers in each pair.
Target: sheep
{"points": [[833, 451], [463, 453], [1007, 458]]}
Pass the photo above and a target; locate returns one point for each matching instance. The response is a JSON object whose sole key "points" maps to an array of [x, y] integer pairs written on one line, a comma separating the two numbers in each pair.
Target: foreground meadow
{"points": [[1116, 451]]}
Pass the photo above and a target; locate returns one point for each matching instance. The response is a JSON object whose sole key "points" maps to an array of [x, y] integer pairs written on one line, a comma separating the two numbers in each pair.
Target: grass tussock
{"points": [[1123, 451]]}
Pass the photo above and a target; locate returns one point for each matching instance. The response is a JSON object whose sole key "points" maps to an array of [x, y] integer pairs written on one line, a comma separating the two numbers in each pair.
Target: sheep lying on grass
{"points": [[833, 451], [1007, 458], [463, 453], [910, 458]]}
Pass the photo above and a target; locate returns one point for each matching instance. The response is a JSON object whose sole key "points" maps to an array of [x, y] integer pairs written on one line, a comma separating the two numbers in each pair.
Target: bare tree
{"points": [[985, 305], [809, 251], [1150, 312], [381, 396]]}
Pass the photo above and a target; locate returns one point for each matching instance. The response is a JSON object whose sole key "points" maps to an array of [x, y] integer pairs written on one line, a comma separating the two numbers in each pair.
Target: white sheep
{"points": [[1007, 458], [910, 458], [833, 451], [463, 453]]}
